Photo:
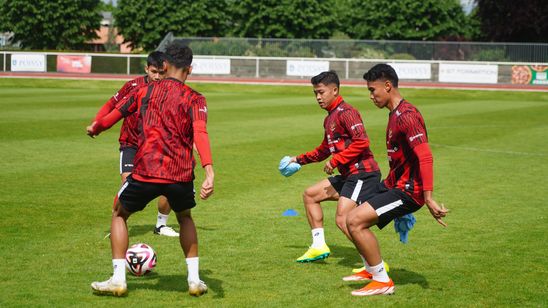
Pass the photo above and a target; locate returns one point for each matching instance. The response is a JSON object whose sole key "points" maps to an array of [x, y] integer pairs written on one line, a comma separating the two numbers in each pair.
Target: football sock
{"points": [[119, 266], [318, 239], [367, 267], [379, 273], [192, 267], [162, 220]]}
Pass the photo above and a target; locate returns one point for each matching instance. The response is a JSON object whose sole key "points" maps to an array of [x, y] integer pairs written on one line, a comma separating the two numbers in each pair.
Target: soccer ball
{"points": [[140, 259]]}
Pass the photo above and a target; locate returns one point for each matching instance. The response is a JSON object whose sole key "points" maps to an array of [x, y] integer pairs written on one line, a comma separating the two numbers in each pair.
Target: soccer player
{"points": [[408, 185], [346, 141], [172, 118], [128, 139]]}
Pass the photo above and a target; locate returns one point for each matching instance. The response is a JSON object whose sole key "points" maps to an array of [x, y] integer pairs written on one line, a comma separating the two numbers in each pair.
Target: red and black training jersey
{"points": [[166, 110], [128, 131], [405, 131], [345, 139]]}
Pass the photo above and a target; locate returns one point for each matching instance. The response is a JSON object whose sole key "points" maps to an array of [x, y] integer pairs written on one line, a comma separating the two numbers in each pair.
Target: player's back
{"points": [[166, 140]]}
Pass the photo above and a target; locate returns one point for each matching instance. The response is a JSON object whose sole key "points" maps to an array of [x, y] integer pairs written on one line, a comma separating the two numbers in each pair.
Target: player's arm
{"points": [[113, 101], [415, 134], [320, 153], [202, 145], [353, 125], [125, 107]]}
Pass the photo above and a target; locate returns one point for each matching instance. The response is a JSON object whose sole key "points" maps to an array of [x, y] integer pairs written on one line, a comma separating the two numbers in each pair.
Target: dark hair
{"points": [[178, 54], [329, 77], [156, 58], [382, 72]]}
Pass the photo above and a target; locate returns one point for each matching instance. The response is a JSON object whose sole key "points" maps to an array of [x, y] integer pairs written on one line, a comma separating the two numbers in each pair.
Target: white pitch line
{"points": [[487, 150]]}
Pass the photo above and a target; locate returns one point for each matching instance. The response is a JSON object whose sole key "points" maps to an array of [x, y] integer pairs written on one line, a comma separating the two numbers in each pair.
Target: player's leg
{"points": [[357, 188], [181, 199], [161, 222], [379, 210], [312, 198], [133, 197]]}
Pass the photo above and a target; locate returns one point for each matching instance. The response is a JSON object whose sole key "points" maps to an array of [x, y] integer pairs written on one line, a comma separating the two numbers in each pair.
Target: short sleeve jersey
{"points": [[405, 130], [166, 110]]}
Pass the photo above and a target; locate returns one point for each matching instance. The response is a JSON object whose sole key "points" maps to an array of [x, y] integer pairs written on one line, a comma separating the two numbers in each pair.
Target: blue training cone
{"points": [[290, 212]]}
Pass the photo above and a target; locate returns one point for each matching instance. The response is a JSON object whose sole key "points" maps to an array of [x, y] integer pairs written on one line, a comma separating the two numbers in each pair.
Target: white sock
{"points": [[365, 264], [318, 239], [193, 266], [379, 272], [119, 266], [162, 220]]}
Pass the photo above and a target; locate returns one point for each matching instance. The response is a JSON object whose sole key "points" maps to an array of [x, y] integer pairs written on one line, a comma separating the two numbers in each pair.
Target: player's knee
{"points": [[183, 216], [340, 220], [308, 195]]}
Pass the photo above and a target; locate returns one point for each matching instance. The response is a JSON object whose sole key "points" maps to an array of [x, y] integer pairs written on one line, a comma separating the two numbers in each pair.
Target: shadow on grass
{"points": [[348, 257], [176, 283]]}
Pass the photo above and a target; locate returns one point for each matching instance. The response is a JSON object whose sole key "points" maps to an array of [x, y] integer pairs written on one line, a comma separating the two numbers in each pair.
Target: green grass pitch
{"points": [[57, 185]]}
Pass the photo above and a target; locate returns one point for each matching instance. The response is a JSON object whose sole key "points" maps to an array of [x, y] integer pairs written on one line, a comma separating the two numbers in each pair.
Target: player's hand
{"points": [[293, 159], [90, 131], [328, 168], [207, 186], [438, 212]]}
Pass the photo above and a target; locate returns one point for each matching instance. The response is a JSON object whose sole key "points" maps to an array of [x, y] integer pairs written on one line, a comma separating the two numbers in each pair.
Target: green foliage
{"points": [[402, 56], [405, 20], [283, 18], [513, 21], [220, 47], [50, 24], [494, 54], [145, 23]]}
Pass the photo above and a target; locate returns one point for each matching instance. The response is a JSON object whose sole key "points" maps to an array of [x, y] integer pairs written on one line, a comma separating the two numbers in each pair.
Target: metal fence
{"points": [[304, 67], [366, 49]]}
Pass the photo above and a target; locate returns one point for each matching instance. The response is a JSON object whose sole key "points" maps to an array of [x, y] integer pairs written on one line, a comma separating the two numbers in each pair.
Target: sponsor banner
{"points": [[530, 74], [28, 62], [74, 64], [306, 68], [211, 66], [412, 70], [468, 73]]}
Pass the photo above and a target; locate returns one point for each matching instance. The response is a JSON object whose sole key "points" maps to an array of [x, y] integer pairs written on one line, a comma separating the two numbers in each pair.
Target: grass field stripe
{"points": [[122, 188], [385, 208], [487, 150], [356, 191]]}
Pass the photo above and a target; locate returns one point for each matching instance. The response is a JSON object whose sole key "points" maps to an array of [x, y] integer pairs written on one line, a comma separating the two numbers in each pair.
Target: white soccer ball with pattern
{"points": [[140, 259]]}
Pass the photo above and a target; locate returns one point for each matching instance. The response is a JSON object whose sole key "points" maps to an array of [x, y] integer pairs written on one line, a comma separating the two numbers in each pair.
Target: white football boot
{"points": [[167, 231], [197, 288], [109, 287]]}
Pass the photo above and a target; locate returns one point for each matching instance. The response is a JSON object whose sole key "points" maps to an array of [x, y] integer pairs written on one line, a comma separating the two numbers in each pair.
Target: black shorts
{"points": [[357, 187], [390, 204], [126, 159], [135, 195]]}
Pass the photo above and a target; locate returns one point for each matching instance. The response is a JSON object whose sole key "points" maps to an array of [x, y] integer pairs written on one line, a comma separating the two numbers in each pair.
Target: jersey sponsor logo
{"points": [[116, 96], [134, 84], [393, 150], [415, 137], [203, 109], [355, 125]]}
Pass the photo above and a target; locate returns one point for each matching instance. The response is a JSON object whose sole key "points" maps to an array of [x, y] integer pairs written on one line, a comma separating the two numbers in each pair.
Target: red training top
{"points": [[409, 157], [345, 138], [128, 131], [171, 118]]}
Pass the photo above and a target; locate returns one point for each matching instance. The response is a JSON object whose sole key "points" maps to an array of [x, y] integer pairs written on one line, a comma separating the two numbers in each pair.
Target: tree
{"points": [[50, 24], [283, 18], [405, 20], [513, 21], [144, 23]]}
